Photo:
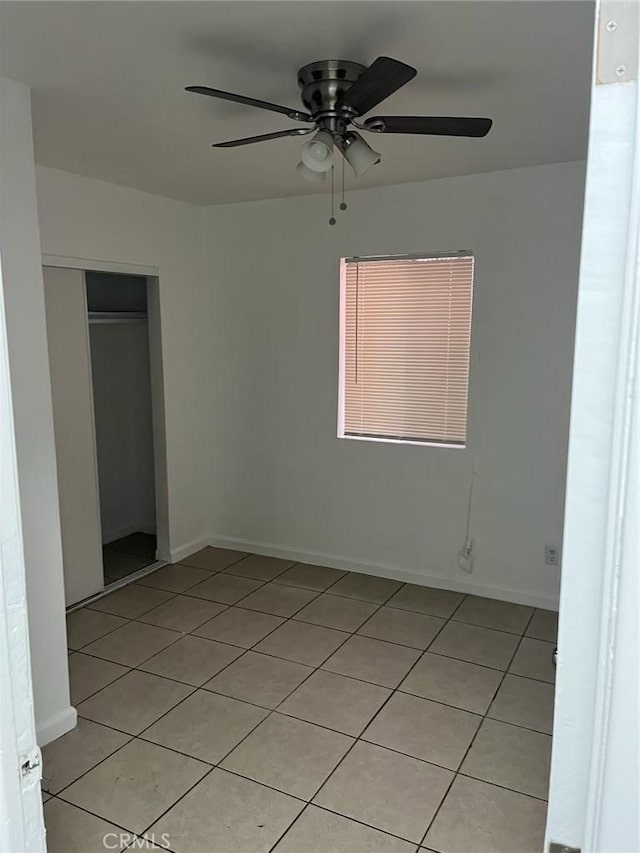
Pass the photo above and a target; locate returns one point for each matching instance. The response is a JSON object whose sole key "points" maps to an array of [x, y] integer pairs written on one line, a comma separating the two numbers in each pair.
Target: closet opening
{"points": [[107, 388], [121, 383]]}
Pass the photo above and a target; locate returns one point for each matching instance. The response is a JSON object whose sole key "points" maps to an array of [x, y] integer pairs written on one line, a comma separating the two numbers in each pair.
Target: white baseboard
{"points": [[56, 726], [333, 561], [182, 551]]}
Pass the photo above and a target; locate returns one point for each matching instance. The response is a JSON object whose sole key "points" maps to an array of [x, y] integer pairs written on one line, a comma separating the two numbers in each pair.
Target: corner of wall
{"points": [[32, 409], [181, 551]]}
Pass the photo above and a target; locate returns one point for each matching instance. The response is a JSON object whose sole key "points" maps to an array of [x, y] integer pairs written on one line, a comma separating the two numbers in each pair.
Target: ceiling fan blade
{"points": [[265, 137], [381, 79], [296, 115], [430, 125]]}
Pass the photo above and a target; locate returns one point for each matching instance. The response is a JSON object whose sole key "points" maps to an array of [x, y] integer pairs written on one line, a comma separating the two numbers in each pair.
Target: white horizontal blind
{"points": [[407, 333]]}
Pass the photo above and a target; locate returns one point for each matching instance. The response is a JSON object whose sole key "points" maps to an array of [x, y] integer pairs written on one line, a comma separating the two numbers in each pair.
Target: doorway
{"points": [[106, 383]]}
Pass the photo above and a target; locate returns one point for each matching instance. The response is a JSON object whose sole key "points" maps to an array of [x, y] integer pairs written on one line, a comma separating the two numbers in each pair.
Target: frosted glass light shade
{"points": [[317, 153], [358, 153], [309, 174]]}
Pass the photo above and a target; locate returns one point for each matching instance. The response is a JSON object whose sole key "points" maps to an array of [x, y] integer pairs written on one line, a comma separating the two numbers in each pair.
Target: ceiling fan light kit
{"points": [[317, 153], [335, 93], [310, 174], [357, 152]]}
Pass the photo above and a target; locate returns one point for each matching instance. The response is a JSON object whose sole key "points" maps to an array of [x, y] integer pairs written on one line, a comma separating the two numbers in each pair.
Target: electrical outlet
{"points": [[551, 555]]}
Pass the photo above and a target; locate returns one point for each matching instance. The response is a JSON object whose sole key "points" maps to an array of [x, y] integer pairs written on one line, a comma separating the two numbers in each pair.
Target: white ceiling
{"points": [[108, 80]]}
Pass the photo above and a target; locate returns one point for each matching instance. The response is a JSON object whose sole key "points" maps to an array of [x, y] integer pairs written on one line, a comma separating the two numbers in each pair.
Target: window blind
{"points": [[406, 327]]}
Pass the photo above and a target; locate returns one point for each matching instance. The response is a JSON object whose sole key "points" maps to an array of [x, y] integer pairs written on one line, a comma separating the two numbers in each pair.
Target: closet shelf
{"points": [[117, 317]]}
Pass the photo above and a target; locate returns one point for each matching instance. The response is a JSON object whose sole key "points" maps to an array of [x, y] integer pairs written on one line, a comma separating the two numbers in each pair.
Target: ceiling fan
{"points": [[335, 94]]}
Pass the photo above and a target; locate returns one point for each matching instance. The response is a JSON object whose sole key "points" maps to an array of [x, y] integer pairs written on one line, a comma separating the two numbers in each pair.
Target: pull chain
{"points": [[343, 205], [332, 220]]}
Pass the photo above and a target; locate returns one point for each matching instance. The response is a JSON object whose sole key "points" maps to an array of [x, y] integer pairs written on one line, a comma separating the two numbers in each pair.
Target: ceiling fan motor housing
{"points": [[323, 84]]}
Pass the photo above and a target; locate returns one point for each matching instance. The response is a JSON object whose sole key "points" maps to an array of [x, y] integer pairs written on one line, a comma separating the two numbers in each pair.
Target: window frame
{"points": [[341, 434]]}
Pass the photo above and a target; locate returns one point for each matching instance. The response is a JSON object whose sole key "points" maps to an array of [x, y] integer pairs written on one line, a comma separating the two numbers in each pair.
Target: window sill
{"points": [[406, 442]]}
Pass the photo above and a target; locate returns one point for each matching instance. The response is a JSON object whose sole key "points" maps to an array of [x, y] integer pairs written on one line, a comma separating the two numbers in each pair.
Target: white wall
{"points": [[280, 480], [248, 295], [31, 398], [93, 220], [124, 435]]}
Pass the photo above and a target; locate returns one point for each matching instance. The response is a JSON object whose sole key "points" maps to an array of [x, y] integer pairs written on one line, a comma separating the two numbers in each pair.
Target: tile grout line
{"points": [[473, 739], [89, 812], [238, 603], [355, 741], [396, 690], [244, 652], [515, 651], [218, 764], [313, 670], [104, 686], [274, 710], [184, 635], [235, 773], [171, 598], [195, 689], [142, 834], [359, 738], [173, 593], [129, 620], [277, 710], [131, 669], [270, 712], [132, 738], [216, 571], [353, 678], [355, 632], [97, 764]]}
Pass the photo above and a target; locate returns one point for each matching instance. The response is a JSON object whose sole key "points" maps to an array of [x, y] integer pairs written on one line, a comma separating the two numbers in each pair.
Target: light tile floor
{"points": [[242, 704]]}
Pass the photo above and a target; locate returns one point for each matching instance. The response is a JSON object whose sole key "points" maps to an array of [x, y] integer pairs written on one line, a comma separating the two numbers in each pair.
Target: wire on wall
{"points": [[465, 554]]}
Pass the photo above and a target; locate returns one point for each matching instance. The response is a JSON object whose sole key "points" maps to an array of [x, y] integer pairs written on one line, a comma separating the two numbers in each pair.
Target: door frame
{"points": [[594, 788], [20, 795], [152, 275]]}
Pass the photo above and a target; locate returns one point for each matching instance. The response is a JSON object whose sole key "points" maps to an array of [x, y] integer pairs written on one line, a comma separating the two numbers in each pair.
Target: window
{"points": [[404, 350]]}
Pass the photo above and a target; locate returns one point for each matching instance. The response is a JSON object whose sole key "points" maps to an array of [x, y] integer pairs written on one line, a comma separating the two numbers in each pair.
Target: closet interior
{"points": [[121, 382]]}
